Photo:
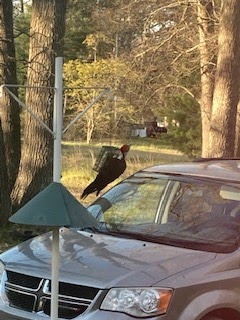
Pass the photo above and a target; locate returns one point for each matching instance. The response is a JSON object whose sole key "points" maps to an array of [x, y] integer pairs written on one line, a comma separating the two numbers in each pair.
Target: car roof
{"points": [[220, 169]]}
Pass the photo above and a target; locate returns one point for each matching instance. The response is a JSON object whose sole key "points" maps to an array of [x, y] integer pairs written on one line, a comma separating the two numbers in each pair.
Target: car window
{"points": [[183, 211], [197, 199], [132, 202]]}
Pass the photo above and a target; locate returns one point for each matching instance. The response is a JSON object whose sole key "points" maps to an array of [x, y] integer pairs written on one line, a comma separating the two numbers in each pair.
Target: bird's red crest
{"points": [[125, 148]]}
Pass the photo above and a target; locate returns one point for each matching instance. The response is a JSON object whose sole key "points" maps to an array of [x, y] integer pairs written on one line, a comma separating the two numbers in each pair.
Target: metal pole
{"points": [[57, 128], [24, 106], [55, 274], [57, 135], [105, 91], [57, 119]]}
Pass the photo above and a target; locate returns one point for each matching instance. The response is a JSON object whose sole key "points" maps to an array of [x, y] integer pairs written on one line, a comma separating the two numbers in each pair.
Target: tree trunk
{"points": [[46, 35], [90, 124], [9, 109], [227, 80], [5, 203], [206, 36], [237, 140]]}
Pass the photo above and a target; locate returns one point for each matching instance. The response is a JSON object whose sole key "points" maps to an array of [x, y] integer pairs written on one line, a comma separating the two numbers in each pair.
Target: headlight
{"points": [[2, 267], [138, 302], [2, 281]]}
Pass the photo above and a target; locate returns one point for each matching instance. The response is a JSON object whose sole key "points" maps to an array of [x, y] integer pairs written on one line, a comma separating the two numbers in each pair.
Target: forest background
{"points": [[177, 61]]}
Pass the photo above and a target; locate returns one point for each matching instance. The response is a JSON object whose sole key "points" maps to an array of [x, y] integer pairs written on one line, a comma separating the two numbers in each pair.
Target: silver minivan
{"points": [[167, 248]]}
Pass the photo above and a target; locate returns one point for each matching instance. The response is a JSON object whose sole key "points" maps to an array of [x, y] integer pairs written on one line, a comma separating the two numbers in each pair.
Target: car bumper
{"points": [[92, 315]]}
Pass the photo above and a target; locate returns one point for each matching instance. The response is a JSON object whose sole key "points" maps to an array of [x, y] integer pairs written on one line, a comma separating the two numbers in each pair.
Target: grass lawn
{"points": [[79, 158]]}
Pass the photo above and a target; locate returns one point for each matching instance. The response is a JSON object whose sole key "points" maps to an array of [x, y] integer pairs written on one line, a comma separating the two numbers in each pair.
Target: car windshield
{"points": [[174, 210]]}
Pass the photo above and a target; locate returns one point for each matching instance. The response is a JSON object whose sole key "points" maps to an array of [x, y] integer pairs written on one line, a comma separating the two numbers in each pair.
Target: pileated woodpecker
{"points": [[114, 167]]}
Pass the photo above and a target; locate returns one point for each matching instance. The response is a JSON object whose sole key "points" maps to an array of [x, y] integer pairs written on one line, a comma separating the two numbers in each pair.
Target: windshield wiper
{"points": [[91, 229], [188, 243], [102, 228]]}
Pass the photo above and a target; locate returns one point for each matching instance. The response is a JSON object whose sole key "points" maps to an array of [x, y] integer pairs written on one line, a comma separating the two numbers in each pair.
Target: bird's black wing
{"points": [[113, 168]]}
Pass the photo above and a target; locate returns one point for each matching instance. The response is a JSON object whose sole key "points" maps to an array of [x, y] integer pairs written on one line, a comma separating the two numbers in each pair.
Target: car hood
{"points": [[102, 261]]}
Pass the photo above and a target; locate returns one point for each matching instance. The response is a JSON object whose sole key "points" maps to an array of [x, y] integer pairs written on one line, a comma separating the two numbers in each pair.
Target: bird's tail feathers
{"points": [[90, 189]]}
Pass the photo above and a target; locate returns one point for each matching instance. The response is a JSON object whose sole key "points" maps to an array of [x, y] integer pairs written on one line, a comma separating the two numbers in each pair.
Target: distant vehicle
{"points": [[152, 129], [148, 129], [167, 248]]}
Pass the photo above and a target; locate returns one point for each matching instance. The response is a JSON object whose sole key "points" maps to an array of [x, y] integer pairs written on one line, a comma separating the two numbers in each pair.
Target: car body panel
{"points": [[203, 278], [228, 170], [119, 263]]}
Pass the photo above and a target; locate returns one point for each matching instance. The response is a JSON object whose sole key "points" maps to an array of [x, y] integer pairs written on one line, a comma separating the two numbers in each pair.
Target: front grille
{"points": [[23, 280], [21, 300], [69, 289], [33, 294], [65, 310]]}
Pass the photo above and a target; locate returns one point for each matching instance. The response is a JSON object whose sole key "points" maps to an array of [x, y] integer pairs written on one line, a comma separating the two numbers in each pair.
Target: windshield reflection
{"points": [[187, 212]]}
